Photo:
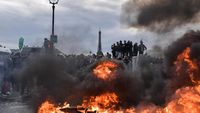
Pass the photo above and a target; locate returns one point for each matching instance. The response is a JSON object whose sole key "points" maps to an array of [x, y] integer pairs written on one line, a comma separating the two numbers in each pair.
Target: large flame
{"points": [[105, 70], [50, 107], [185, 63], [102, 102], [186, 99]]}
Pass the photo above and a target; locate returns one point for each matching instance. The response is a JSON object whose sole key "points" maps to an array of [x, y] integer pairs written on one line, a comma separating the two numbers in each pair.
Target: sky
{"points": [[77, 23]]}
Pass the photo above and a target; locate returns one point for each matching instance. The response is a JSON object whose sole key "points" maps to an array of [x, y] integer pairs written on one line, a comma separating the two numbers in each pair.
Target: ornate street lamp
{"points": [[53, 1], [53, 37]]}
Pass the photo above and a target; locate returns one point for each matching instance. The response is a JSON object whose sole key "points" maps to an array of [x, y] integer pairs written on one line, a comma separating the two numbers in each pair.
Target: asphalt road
{"points": [[14, 107]]}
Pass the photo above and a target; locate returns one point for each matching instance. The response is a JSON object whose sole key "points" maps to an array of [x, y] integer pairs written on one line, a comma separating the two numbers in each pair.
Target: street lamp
{"points": [[53, 1], [53, 37]]}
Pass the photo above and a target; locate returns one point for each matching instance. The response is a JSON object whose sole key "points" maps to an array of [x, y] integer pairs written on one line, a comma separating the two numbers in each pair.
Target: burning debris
{"points": [[105, 70], [61, 85]]}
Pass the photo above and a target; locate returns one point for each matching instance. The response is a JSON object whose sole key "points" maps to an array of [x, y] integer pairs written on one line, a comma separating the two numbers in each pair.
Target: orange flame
{"points": [[50, 107], [105, 70], [192, 66], [185, 100], [103, 102]]}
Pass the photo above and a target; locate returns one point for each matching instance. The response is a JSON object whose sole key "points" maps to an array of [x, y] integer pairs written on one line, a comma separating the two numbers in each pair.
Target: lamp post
{"points": [[53, 38]]}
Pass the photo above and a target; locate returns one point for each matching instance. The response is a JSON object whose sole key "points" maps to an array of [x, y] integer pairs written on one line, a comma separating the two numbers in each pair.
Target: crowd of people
{"points": [[127, 49]]}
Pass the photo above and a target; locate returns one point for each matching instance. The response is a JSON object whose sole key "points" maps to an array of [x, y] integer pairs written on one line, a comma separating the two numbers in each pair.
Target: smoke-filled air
{"points": [[168, 85], [160, 15], [132, 76]]}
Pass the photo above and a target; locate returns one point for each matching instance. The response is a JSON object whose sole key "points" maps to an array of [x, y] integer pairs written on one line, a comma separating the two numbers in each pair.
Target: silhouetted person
{"points": [[129, 49], [108, 55], [126, 60], [117, 50], [120, 50], [135, 49], [142, 48], [124, 49], [113, 47], [46, 43]]}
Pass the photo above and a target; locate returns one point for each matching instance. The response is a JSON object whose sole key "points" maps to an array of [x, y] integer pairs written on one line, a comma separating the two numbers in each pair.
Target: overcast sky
{"points": [[77, 24]]}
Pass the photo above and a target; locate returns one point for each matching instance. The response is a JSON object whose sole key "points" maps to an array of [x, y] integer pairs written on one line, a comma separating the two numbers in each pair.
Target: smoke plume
{"points": [[188, 40], [160, 15], [71, 78]]}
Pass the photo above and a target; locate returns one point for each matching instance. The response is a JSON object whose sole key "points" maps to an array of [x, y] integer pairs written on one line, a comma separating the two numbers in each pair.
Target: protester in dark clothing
{"points": [[120, 50], [46, 43], [126, 60], [117, 50], [108, 55], [113, 47], [135, 49], [124, 49], [142, 48], [129, 49]]}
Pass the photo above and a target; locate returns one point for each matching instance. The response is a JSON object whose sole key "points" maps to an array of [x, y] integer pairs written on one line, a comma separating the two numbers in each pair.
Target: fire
{"points": [[105, 70], [184, 100], [102, 102], [50, 107], [191, 65]]}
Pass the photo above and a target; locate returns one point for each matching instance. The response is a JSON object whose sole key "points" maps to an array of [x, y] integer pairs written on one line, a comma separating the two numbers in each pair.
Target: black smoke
{"points": [[187, 40], [70, 78], [160, 15]]}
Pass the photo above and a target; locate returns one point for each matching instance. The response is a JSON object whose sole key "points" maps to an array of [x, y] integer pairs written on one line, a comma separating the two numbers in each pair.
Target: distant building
{"points": [[99, 49]]}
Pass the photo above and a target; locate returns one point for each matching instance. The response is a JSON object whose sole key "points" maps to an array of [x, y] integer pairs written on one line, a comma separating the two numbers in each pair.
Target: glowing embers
{"points": [[184, 63], [102, 102], [185, 100], [105, 70], [50, 107]]}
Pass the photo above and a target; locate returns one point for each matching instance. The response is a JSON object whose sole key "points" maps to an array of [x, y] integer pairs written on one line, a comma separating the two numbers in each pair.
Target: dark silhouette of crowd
{"points": [[126, 49]]}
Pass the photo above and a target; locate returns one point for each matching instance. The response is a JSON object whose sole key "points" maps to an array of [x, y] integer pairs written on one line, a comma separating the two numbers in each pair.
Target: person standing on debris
{"points": [[120, 56], [135, 49], [129, 49], [108, 55], [113, 47], [124, 49], [142, 48], [117, 50]]}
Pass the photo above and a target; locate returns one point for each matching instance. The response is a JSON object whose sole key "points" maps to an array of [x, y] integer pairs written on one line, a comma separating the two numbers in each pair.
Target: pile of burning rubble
{"points": [[106, 87]]}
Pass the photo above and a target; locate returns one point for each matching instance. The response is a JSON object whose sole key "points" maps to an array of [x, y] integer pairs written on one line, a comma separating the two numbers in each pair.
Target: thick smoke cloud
{"points": [[71, 79], [190, 38], [160, 15]]}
